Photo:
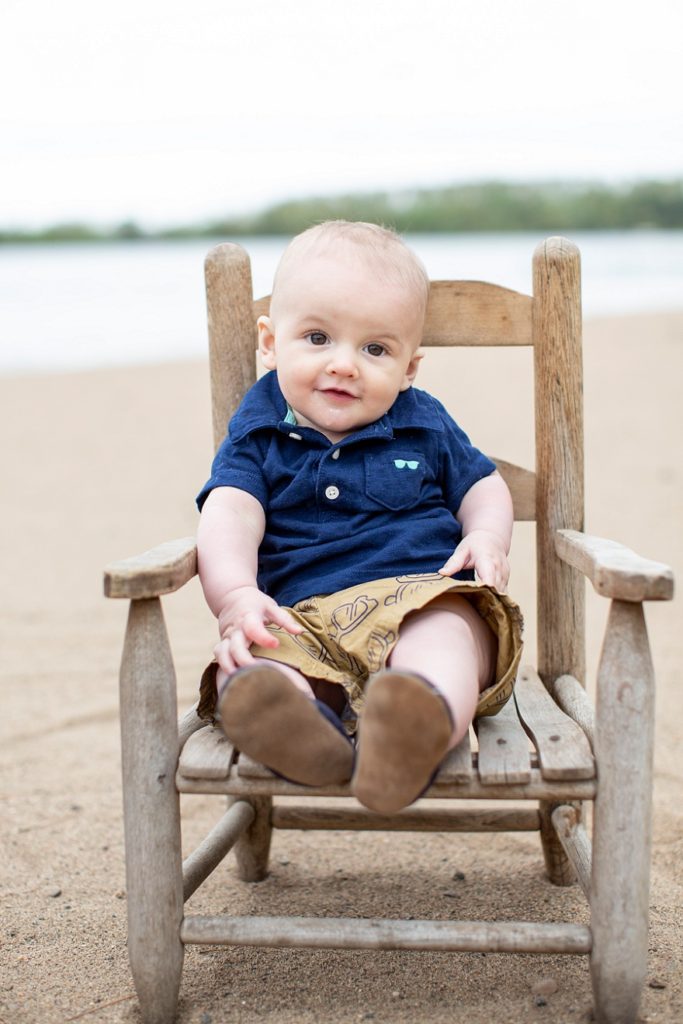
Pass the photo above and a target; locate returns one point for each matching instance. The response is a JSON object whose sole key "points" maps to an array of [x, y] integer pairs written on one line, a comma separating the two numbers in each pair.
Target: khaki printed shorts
{"points": [[349, 635]]}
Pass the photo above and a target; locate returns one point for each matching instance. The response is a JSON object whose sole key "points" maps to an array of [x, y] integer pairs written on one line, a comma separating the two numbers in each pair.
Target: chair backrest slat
{"points": [[522, 485], [467, 313], [476, 313]]}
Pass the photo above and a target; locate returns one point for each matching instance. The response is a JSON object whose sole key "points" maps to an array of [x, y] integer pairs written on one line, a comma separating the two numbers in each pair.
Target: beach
{"points": [[103, 464]]}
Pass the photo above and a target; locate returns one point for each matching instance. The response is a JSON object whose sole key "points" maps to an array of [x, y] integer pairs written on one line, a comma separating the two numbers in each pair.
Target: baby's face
{"points": [[343, 342]]}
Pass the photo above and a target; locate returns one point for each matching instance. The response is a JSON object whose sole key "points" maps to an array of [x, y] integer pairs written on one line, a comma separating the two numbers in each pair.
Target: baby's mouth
{"points": [[339, 393]]}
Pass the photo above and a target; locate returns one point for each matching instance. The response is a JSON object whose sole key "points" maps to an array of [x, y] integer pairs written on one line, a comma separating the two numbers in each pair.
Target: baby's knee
{"points": [[462, 622]]}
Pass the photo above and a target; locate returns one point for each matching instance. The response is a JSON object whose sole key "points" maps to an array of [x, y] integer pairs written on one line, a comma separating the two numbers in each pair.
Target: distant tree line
{"points": [[487, 206]]}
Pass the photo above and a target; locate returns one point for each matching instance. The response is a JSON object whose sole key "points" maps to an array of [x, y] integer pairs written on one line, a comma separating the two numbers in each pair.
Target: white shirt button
{"points": [[336, 453], [332, 492]]}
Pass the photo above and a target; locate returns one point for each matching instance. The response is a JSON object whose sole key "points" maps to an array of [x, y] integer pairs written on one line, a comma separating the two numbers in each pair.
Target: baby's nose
{"points": [[343, 362]]}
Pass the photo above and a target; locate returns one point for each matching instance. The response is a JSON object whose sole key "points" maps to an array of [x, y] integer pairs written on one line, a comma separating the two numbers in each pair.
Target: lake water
{"points": [[73, 307]]}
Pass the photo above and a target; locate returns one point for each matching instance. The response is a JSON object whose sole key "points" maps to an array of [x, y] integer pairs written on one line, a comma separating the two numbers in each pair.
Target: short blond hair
{"points": [[385, 251]]}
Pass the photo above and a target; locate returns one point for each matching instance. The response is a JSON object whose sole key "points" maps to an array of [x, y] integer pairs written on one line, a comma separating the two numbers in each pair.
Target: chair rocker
{"points": [[578, 754]]}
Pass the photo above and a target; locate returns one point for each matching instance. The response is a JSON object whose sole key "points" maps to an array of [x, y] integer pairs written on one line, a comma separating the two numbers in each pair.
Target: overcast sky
{"points": [[166, 111]]}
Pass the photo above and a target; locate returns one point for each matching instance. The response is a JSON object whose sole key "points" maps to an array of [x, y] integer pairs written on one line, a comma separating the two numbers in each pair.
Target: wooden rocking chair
{"points": [[577, 754]]}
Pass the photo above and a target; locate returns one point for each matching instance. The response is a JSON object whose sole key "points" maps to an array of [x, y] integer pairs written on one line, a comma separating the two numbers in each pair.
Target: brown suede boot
{"points": [[404, 733]]}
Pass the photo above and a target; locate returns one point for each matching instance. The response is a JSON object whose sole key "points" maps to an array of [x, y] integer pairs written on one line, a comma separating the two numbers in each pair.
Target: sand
{"points": [[97, 466]]}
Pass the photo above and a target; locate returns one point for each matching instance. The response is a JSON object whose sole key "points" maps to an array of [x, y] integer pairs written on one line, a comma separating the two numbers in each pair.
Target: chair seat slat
{"points": [[207, 754], [503, 748], [504, 756], [563, 750], [457, 765]]}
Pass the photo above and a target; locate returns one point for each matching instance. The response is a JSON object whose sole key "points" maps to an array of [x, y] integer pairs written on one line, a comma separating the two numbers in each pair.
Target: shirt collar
{"points": [[264, 407]]}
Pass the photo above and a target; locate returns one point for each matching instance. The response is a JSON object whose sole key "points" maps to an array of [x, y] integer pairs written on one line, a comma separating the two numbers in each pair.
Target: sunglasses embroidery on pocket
{"points": [[403, 463]]}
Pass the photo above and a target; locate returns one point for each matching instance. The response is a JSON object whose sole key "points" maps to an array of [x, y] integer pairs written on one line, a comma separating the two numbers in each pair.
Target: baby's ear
{"points": [[411, 370], [266, 341]]}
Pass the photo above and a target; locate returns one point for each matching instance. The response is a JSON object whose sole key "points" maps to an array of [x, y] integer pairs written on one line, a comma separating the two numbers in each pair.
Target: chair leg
{"points": [[149, 747], [558, 867], [252, 849], [622, 828]]}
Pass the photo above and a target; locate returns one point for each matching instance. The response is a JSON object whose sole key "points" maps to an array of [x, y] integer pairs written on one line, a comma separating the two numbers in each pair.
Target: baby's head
{"points": [[382, 253], [345, 324]]}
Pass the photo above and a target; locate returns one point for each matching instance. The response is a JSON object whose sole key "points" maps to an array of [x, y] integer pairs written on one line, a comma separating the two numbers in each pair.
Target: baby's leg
{"points": [[408, 725], [450, 645]]}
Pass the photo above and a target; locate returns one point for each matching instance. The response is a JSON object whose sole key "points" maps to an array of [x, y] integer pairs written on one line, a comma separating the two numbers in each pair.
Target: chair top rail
{"points": [[467, 313]]}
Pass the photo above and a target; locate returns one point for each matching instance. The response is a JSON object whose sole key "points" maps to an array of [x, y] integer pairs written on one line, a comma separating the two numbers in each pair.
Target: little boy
{"points": [[342, 525]]}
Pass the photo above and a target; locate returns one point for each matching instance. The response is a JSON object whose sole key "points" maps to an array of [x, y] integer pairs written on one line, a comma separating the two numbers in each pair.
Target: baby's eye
{"points": [[317, 338], [375, 349]]}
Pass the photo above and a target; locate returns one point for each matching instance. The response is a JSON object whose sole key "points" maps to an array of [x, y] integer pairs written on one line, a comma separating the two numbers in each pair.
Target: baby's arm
{"points": [[231, 529], [486, 517]]}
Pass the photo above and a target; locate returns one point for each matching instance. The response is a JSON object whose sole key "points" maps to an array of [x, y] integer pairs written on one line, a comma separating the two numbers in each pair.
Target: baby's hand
{"points": [[484, 552], [242, 622]]}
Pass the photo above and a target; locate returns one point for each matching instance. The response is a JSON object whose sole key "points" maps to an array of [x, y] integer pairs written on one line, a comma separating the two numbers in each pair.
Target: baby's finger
{"points": [[239, 649], [221, 653], [498, 577], [281, 617], [455, 563], [254, 629], [504, 575], [487, 571]]}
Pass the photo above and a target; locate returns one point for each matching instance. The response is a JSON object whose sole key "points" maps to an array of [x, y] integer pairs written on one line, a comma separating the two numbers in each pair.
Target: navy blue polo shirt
{"points": [[381, 502]]}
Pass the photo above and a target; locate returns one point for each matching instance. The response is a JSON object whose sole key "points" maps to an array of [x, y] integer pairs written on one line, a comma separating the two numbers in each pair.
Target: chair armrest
{"points": [[161, 570], [615, 571]]}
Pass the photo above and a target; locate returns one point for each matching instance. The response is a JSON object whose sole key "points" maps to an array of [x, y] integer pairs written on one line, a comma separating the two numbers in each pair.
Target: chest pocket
{"points": [[394, 479]]}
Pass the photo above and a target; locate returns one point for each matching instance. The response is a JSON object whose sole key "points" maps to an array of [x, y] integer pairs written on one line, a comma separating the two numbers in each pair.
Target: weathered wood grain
{"points": [[220, 840], [415, 819], [161, 570], [503, 748], [522, 485], [149, 751], [615, 571], [575, 702], [457, 765], [207, 754], [379, 933], [624, 741], [575, 843], [563, 750], [189, 724], [232, 331], [537, 788], [559, 454], [252, 848]]}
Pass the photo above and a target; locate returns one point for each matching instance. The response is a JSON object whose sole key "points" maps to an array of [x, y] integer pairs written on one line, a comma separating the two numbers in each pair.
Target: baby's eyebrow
{"points": [[313, 323]]}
